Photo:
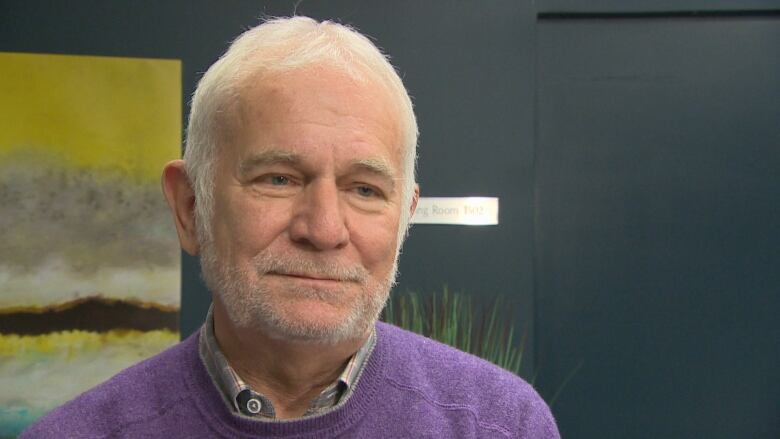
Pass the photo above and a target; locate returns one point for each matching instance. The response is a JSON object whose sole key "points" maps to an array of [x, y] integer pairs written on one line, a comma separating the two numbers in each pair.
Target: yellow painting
{"points": [[89, 260]]}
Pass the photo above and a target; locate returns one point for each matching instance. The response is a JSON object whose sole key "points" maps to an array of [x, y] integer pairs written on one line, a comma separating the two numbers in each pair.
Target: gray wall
{"points": [[635, 150], [658, 205]]}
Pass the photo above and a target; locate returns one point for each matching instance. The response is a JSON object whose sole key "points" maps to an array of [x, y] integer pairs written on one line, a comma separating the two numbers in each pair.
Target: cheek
{"points": [[376, 244], [244, 227]]}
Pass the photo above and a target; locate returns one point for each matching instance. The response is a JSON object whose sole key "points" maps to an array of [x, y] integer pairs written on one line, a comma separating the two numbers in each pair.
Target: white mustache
{"points": [[267, 263]]}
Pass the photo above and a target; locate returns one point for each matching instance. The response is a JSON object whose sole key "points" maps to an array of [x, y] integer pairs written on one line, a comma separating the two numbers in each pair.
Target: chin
{"points": [[314, 324], [306, 318]]}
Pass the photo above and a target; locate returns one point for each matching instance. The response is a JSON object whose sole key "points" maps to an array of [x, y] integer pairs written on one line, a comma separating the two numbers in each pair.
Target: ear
{"points": [[415, 199], [181, 199]]}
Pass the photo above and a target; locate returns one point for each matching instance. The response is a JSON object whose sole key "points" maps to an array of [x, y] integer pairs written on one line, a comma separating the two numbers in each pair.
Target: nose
{"points": [[318, 221]]}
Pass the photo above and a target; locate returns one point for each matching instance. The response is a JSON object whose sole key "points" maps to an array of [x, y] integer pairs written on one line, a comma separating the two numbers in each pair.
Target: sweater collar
{"points": [[243, 400]]}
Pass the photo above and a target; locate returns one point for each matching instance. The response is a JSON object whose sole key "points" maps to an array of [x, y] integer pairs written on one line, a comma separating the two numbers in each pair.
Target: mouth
{"points": [[308, 277]]}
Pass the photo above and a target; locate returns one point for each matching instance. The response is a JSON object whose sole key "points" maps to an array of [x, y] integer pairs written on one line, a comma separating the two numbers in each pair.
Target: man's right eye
{"points": [[279, 180]]}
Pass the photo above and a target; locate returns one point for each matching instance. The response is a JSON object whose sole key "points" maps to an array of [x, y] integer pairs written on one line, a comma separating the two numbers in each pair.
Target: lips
{"points": [[311, 277]]}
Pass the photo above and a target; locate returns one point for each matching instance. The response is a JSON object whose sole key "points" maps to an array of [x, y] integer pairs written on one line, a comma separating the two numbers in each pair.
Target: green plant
{"points": [[486, 331]]}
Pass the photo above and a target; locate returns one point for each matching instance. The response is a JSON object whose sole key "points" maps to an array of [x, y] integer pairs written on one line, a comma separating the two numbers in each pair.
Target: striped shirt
{"points": [[245, 401]]}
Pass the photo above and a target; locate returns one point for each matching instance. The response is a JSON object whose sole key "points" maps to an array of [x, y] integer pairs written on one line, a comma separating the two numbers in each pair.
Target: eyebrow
{"points": [[266, 158], [378, 167], [375, 166]]}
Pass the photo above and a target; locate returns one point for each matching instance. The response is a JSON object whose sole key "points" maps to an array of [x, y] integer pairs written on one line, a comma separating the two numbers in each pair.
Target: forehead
{"points": [[313, 104]]}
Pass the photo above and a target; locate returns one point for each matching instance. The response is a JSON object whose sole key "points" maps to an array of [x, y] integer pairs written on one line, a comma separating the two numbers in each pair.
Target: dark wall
{"points": [[661, 7], [658, 205]]}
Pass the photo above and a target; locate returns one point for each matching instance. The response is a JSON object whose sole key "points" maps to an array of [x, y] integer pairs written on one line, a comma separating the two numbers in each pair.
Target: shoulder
{"points": [[138, 394], [445, 370], [447, 378]]}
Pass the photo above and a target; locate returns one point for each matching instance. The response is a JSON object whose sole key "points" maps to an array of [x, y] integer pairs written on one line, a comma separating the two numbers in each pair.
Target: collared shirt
{"points": [[242, 399]]}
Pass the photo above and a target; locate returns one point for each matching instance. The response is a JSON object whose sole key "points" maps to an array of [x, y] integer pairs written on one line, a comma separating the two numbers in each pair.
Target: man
{"points": [[296, 190]]}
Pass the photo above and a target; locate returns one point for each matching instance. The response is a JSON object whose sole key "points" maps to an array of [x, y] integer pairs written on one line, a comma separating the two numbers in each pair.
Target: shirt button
{"points": [[253, 406]]}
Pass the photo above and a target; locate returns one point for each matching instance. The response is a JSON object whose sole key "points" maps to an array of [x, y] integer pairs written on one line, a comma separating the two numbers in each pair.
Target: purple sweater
{"points": [[411, 387]]}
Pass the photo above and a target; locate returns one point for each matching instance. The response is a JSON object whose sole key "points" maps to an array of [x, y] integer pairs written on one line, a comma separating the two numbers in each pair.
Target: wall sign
{"points": [[469, 211]]}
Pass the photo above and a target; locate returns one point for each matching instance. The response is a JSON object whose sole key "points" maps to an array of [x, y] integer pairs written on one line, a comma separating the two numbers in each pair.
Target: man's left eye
{"points": [[366, 191]]}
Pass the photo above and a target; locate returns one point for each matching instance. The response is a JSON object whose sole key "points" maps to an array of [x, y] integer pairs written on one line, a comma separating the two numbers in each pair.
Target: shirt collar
{"points": [[242, 399]]}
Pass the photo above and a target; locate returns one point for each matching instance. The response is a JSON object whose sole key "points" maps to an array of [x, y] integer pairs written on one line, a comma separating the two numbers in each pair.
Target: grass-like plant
{"points": [[485, 330]]}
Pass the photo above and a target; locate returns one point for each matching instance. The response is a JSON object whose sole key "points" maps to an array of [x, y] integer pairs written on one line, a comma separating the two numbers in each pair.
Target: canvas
{"points": [[89, 260]]}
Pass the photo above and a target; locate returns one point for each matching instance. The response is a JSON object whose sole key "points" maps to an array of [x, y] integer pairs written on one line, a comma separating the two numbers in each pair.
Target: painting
{"points": [[89, 260]]}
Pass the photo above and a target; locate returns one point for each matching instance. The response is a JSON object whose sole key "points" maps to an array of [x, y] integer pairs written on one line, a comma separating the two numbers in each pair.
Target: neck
{"points": [[289, 373]]}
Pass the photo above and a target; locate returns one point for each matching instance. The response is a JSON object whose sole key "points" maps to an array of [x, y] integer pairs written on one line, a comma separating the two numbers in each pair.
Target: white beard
{"points": [[249, 304]]}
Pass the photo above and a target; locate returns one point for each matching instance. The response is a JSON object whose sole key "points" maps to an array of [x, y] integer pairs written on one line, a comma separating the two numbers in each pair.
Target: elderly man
{"points": [[296, 190]]}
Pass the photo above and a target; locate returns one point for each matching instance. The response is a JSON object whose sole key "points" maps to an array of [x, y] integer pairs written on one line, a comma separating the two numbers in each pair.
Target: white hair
{"points": [[279, 45]]}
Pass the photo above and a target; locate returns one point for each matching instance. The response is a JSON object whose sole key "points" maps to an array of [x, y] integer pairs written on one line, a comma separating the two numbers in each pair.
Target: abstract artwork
{"points": [[89, 260]]}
